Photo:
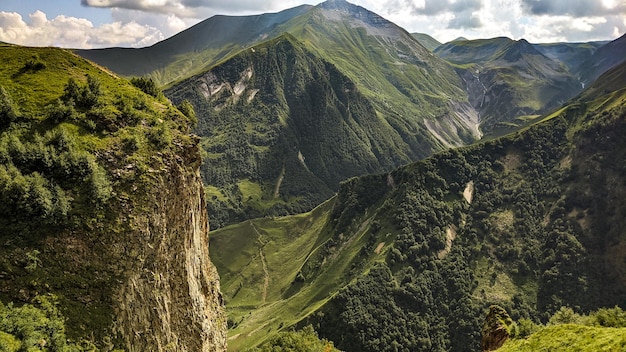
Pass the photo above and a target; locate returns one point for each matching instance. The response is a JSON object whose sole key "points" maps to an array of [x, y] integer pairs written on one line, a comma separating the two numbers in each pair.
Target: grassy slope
{"points": [[569, 337], [502, 238], [69, 250], [427, 41], [281, 276]]}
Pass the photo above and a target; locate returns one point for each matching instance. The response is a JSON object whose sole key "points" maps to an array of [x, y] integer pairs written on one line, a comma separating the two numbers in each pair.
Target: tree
{"points": [[8, 111], [187, 109], [146, 85]]}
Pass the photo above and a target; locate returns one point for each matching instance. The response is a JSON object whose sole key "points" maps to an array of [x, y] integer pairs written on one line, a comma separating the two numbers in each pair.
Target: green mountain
{"points": [[426, 40], [344, 93], [411, 259], [608, 56], [91, 251], [194, 49], [509, 82], [281, 129], [570, 54]]}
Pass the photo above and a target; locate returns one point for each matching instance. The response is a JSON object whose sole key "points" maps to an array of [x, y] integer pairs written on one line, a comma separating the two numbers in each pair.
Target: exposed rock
{"points": [[171, 301], [497, 328]]}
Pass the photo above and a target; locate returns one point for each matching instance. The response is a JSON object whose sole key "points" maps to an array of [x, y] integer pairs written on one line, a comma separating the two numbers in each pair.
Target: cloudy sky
{"points": [[137, 23]]}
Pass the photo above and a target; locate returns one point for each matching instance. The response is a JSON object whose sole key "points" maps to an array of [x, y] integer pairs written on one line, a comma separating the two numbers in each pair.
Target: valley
{"points": [[313, 179]]}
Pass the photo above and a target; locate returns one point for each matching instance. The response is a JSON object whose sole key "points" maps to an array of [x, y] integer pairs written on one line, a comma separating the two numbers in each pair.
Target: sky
{"points": [[138, 23]]}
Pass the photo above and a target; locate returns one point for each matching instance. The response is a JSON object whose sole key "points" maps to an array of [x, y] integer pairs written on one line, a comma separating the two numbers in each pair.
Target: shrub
{"points": [[146, 85], [8, 110]]}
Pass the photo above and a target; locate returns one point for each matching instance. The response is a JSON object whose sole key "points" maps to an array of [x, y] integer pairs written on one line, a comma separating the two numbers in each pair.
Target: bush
{"points": [[187, 109], [565, 315], [609, 317], [8, 110], [85, 97], [526, 327], [146, 85]]}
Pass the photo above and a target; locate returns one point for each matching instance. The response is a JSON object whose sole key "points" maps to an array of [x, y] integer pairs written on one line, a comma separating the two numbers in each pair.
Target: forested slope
{"points": [[532, 221]]}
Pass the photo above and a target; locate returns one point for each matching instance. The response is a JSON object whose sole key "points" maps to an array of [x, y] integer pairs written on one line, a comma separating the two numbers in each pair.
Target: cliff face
{"points": [[171, 299], [102, 208]]}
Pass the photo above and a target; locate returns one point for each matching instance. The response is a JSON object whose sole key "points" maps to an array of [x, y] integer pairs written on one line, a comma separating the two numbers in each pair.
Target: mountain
{"points": [[91, 251], [426, 40], [411, 259], [509, 82], [606, 57], [194, 49], [342, 92], [282, 128], [570, 54]]}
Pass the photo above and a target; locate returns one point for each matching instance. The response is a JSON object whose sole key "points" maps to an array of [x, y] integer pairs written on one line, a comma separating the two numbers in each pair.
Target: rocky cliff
{"points": [[102, 209], [170, 300]]}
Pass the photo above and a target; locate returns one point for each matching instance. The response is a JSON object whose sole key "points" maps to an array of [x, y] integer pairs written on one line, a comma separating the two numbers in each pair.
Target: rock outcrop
{"points": [[496, 330], [171, 299]]}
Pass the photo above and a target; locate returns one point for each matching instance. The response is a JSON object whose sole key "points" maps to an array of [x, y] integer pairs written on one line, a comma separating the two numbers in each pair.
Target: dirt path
{"points": [[468, 193], [279, 182], [266, 273], [450, 236]]}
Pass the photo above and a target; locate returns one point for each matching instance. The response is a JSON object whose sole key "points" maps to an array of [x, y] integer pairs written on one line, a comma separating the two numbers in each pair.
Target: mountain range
{"points": [[412, 101], [368, 189]]}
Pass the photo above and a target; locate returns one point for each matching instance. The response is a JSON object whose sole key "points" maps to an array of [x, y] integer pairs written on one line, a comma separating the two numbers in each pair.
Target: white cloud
{"points": [[198, 9], [143, 22], [72, 32]]}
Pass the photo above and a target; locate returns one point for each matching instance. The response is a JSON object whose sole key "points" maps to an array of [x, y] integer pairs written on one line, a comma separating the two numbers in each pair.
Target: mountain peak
{"points": [[340, 10], [520, 48]]}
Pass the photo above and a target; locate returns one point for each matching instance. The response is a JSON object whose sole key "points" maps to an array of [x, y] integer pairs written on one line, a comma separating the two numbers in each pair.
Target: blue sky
{"points": [[137, 23], [54, 8]]}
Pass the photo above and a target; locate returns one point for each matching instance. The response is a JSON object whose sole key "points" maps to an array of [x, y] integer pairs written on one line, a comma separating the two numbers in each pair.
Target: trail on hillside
{"points": [[279, 182], [450, 236], [266, 273]]}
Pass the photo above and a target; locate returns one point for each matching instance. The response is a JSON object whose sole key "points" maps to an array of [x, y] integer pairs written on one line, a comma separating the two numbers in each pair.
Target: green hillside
{"points": [[81, 153], [570, 338], [412, 259], [566, 330], [281, 129], [426, 40]]}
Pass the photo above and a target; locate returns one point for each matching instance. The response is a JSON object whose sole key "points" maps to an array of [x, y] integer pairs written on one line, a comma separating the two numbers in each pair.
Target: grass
{"points": [[260, 260], [570, 338]]}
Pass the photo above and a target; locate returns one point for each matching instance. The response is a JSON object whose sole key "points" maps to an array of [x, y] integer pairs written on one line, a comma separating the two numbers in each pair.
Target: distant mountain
{"points": [[348, 93], [193, 49], [509, 81], [426, 40], [570, 54], [603, 59], [411, 259]]}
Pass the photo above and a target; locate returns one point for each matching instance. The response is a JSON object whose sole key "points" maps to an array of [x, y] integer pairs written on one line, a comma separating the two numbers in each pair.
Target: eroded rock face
{"points": [[496, 329], [171, 299]]}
